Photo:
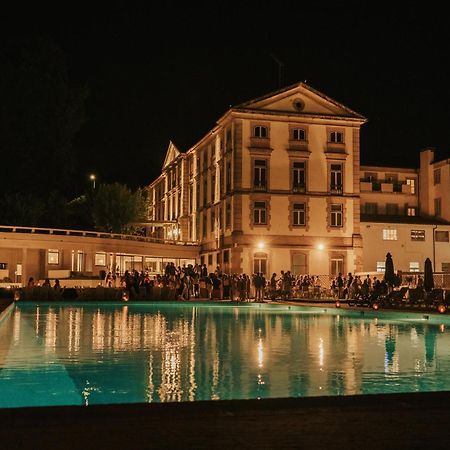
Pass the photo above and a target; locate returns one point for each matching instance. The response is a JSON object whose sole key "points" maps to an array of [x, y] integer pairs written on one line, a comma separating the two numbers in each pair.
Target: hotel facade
{"points": [[277, 185]]}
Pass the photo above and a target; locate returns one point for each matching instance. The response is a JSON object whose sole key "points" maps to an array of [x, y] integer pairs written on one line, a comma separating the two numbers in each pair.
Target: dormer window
{"points": [[260, 132], [336, 137], [299, 134]]}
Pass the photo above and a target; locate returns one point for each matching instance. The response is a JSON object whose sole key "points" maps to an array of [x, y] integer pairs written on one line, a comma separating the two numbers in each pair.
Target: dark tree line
{"points": [[41, 112]]}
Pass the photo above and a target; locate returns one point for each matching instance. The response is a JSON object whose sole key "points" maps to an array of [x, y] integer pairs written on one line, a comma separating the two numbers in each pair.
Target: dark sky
{"points": [[158, 71]]}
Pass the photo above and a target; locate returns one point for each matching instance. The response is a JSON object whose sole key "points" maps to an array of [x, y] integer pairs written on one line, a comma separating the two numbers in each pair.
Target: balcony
{"points": [[336, 189], [260, 187], [299, 188]]}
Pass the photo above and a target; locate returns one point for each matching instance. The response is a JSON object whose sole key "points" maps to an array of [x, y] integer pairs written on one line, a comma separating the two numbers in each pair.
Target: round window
{"points": [[298, 104]]}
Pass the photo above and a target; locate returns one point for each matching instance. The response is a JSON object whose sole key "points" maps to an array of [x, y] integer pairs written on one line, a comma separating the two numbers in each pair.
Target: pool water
{"points": [[87, 354]]}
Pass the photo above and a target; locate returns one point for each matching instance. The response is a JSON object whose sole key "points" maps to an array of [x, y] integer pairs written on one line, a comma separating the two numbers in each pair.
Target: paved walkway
{"points": [[397, 421]]}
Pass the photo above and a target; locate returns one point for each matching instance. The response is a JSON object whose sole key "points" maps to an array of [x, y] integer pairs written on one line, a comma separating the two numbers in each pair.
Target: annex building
{"points": [[277, 185]]}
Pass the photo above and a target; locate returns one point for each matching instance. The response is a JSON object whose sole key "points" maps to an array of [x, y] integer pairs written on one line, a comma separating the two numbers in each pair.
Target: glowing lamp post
{"points": [[92, 177], [442, 308]]}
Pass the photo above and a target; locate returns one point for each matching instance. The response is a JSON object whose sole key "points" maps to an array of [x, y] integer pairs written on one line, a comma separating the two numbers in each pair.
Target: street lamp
{"points": [[92, 177]]}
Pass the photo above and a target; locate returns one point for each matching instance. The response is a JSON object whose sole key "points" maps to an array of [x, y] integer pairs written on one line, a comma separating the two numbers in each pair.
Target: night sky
{"points": [[168, 73]]}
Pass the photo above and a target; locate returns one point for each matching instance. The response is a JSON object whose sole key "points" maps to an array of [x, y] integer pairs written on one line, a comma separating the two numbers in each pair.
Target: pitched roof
{"points": [[303, 85]]}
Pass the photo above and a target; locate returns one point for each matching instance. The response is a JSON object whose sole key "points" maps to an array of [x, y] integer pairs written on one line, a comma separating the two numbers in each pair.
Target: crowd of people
{"points": [[190, 281]]}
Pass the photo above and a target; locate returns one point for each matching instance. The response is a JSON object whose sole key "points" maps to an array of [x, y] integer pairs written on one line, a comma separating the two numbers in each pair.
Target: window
{"points": [[260, 132], [441, 236], [53, 256], [210, 259], [205, 192], [381, 266], [336, 216], [260, 263], [259, 174], [437, 206], [417, 235], [392, 209], [370, 176], [299, 264], [414, 266], [213, 219], [389, 234], [228, 215], [299, 177], [259, 213], [336, 178], [437, 176], [337, 265], [370, 208], [228, 176], [299, 217], [391, 178], [337, 137], [299, 134], [411, 182], [226, 256], [205, 158], [100, 259], [446, 267], [411, 211], [213, 187], [205, 223]]}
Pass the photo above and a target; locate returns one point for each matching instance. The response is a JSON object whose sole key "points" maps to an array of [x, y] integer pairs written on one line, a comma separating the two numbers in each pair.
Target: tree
{"points": [[115, 207], [40, 113]]}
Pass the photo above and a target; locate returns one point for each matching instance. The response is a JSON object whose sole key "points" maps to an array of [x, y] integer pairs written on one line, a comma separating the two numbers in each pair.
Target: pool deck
{"points": [[397, 421]]}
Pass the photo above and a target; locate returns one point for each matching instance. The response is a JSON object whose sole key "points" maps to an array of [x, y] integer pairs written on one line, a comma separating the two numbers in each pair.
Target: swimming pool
{"points": [[80, 354]]}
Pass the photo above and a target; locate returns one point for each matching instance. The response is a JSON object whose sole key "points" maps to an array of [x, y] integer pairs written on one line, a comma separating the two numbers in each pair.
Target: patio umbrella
{"points": [[428, 282], [389, 274]]}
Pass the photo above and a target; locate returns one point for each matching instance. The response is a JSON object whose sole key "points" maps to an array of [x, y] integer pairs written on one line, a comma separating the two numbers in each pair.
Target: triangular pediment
{"points": [[171, 154], [302, 99]]}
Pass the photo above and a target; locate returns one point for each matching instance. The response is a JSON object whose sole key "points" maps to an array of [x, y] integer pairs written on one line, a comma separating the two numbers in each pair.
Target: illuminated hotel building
{"points": [[277, 185]]}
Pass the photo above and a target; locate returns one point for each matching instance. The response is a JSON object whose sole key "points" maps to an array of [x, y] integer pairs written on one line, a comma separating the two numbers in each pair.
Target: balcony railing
{"points": [[336, 189], [301, 188], [371, 185], [260, 187]]}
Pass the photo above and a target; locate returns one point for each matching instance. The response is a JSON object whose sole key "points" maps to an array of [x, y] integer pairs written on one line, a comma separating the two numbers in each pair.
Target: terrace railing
{"points": [[93, 234]]}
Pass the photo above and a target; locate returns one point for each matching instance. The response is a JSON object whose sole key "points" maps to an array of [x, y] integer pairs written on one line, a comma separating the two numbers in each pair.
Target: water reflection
{"points": [[167, 353]]}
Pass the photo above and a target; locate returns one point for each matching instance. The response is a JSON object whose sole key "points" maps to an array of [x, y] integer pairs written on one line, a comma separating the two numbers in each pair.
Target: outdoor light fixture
{"points": [[125, 296], [260, 245], [338, 304], [442, 308], [16, 296], [92, 177], [375, 306], [320, 247]]}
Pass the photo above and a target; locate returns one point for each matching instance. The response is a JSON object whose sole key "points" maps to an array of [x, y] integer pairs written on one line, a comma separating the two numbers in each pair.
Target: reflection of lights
{"points": [[321, 352], [50, 330], [36, 330], [16, 296], [150, 385], [441, 327], [16, 325], [260, 353]]}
